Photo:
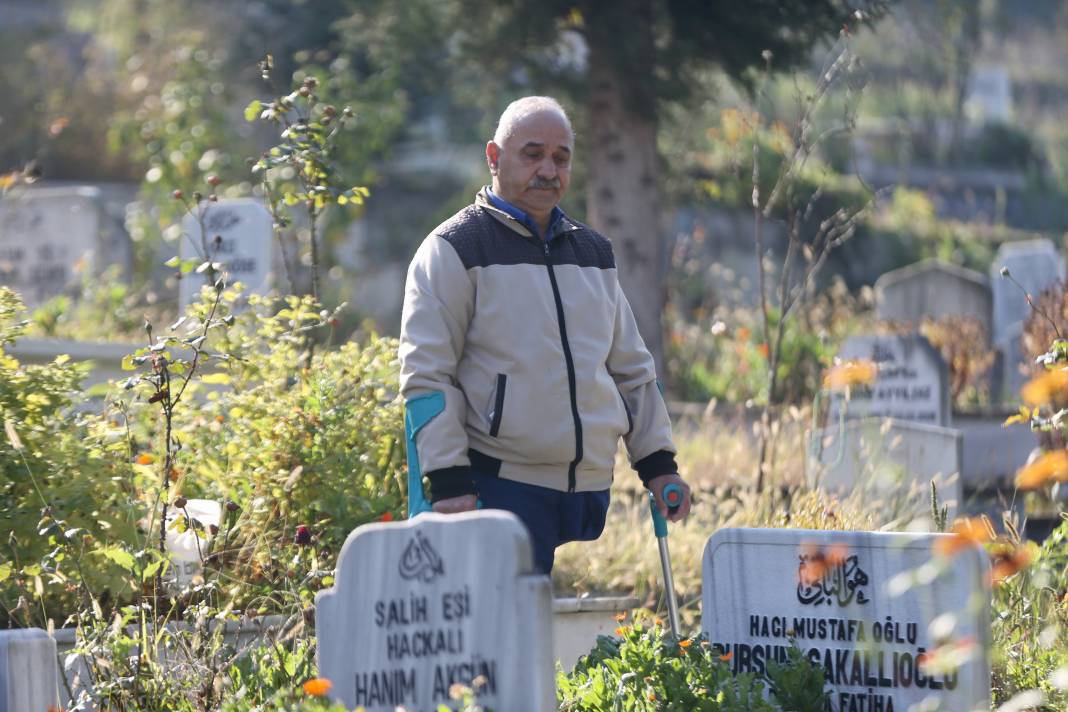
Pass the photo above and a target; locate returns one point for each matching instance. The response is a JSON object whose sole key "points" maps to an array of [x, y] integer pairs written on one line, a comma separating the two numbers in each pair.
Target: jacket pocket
{"points": [[498, 405]]}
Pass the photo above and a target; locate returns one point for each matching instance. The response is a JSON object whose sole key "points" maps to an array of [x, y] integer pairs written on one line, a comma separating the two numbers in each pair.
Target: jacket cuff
{"points": [[450, 482], [661, 462]]}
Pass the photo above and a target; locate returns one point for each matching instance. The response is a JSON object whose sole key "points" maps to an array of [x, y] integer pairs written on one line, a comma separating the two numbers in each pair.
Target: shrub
{"points": [[57, 491], [645, 668]]}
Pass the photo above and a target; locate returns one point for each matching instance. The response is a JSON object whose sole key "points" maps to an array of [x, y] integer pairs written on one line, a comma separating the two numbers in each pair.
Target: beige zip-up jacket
{"points": [[537, 353]]}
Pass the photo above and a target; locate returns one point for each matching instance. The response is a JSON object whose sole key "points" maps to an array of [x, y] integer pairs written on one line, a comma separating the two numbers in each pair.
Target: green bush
{"points": [[645, 668], [58, 492]]}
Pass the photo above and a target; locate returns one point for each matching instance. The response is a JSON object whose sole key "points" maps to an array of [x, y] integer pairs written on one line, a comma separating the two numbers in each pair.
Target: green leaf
{"points": [[216, 378], [173, 262], [5, 571], [118, 555], [128, 363], [252, 111]]}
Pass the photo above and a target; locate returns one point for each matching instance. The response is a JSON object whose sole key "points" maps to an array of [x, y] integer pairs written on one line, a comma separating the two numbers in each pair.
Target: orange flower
{"points": [[658, 621], [762, 349], [652, 697], [620, 617], [966, 533], [743, 334], [725, 657], [685, 644], [621, 631], [850, 373], [317, 686], [1008, 561], [1050, 386], [145, 459], [1051, 467], [837, 554]]}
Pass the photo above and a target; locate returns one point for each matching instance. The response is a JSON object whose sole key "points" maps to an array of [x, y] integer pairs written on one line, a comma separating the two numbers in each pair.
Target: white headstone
{"points": [[427, 603], [1036, 265], [932, 288], [912, 382], [29, 677], [187, 548], [841, 596], [46, 236], [889, 459], [246, 247], [989, 96]]}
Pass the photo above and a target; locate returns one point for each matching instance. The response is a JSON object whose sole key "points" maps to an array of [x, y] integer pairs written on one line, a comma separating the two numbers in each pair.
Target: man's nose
{"points": [[547, 168]]}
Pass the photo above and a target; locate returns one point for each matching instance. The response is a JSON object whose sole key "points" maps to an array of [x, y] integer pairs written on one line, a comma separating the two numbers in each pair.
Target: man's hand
{"points": [[657, 485], [454, 505]]}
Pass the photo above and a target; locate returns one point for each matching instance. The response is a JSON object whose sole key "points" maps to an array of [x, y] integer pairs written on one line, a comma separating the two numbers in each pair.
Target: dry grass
{"points": [[718, 458]]}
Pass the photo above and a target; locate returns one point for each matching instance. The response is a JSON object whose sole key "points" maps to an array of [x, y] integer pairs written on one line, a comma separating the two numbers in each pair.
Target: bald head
{"points": [[521, 109]]}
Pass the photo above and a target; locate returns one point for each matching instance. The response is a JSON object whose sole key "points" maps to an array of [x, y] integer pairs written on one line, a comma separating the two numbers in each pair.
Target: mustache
{"points": [[544, 183]]}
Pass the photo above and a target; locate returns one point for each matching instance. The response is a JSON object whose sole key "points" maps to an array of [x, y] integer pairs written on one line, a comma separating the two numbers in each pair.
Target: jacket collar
{"points": [[498, 208]]}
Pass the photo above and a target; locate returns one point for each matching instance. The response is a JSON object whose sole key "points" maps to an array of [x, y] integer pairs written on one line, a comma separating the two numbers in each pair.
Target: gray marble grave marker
{"points": [[246, 249], [932, 288], [423, 604], [1036, 265], [889, 458], [842, 597], [46, 235], [912, 381], [28, 671]]}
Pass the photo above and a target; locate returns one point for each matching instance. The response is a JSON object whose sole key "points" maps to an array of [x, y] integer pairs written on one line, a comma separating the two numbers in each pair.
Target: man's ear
{"points": [[493, 155]]}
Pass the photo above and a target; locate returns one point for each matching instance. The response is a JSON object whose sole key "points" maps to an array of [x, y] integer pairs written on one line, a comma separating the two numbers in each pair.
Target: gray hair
{"points": [[520, 109]]}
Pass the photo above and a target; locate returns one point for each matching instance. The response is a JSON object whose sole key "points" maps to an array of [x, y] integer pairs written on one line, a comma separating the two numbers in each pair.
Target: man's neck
{"points": [[540, 221]]}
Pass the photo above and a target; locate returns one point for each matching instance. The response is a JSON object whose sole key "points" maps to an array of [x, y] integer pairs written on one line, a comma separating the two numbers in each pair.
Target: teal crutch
{"points": [[672, 495]]}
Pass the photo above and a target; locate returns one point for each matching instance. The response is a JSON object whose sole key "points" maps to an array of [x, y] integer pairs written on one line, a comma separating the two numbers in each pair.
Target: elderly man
{"points": [[514, 315]]}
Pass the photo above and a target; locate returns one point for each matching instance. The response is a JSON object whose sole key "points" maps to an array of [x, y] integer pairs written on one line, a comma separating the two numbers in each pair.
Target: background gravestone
{"points": [[29, 679], [889, 458], [1036, 265], [834, 592], [912, 381], [437, 600], [47, 235], [246, 250], [933, 288]]}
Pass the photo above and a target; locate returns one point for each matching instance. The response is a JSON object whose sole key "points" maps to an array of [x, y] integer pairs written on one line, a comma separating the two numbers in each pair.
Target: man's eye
{"points": [[562, 160]]}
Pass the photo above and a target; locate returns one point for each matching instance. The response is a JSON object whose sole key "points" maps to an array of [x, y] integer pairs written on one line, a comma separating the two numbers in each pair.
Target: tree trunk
{"points": [[623, 197]]}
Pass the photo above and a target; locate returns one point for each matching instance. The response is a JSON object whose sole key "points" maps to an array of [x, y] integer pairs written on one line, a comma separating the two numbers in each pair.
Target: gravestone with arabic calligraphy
{"points": [[912, 381], [239, 235], [47, 236], [867, 607], [29, 672], [438, 600]]}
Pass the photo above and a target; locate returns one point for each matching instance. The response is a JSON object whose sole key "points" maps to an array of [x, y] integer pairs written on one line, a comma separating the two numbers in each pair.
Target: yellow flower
{"points": [[317, 686], [1051, 467], [850, 373], [1050, 386]]}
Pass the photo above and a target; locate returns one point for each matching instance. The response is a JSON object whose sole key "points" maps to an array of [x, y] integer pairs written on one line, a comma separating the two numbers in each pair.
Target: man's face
{"points": [[532, 170]]}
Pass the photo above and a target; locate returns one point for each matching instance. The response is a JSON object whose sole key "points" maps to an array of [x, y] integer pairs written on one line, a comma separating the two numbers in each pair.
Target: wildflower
{"points": [[1050, 467], [302, 537], [762, 349], [1050, 386], [621, 631], [743, 334], [457, 691], [1009, 561], [620, 617], [145, 459], [658, 621], [685, 644], [386, 517], [850, 373], [317, 686], [726, 657], [837, 554], [652, 697], [718, 328], [965, 534]]}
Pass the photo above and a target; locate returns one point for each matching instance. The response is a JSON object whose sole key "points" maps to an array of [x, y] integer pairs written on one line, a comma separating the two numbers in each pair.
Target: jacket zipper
{"points": [[570, 371]]}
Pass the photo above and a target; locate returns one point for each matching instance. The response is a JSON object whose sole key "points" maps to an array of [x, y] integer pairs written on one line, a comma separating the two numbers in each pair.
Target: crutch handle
{"points": [[672, 495]]}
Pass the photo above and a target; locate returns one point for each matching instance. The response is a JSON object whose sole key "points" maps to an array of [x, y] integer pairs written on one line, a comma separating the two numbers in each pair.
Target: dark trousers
{"points": [[552, 517]]}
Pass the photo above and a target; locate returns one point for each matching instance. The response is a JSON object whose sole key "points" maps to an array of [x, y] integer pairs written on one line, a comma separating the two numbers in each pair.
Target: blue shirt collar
{"points": [[524, 219]]}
